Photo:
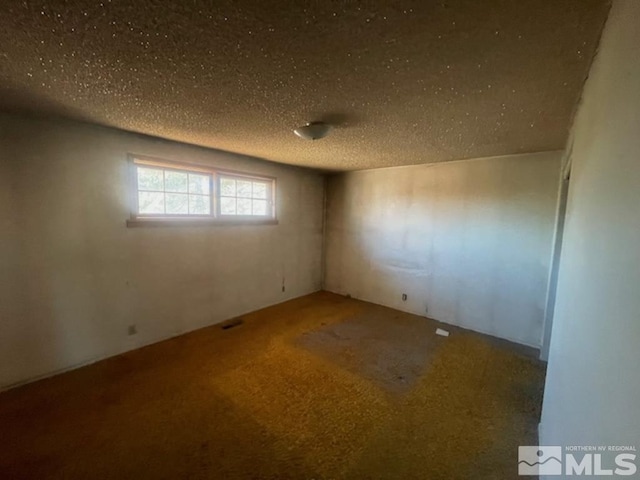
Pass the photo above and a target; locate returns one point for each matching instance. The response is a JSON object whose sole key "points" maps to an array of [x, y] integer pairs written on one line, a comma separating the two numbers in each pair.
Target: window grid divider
{"points": [[215, 193]]}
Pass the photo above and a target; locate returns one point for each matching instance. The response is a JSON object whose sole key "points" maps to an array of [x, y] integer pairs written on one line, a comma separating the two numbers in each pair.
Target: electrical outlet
{"points": [[132, 330], [404, 297]]}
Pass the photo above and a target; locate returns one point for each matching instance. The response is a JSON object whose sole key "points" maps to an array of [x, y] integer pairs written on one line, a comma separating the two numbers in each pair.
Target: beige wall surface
{"points": [[592, 393], [469, 242], [73, 277]]}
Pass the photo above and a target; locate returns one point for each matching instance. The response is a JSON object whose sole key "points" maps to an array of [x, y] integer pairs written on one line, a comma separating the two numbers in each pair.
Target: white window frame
{"points": [[235, 176], [215, 217]]}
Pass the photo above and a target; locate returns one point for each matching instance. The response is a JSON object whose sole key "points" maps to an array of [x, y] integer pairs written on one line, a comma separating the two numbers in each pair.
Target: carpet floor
{"points": [[321, 387]]}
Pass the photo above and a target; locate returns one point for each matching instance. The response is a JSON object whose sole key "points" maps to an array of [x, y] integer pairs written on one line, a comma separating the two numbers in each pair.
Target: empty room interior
{"points": [[319, 240]]}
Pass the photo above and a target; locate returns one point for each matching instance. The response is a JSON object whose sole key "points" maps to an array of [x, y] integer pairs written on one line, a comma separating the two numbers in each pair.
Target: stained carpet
{"points": [[321, 387]]}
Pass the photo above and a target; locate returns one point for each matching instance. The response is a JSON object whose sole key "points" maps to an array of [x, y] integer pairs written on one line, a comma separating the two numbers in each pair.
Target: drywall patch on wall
{"points": [[77, 278], [468, 242]]}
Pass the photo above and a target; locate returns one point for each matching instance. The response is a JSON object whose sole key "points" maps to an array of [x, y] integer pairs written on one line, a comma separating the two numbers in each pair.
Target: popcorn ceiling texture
{"points": [[403, 82]]}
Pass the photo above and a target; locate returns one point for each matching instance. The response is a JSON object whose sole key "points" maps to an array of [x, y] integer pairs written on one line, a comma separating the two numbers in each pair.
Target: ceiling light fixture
{"points": [[313, 130]]}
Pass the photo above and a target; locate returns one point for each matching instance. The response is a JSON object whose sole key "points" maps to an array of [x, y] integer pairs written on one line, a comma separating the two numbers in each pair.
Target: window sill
{"points": [[195, 222]]}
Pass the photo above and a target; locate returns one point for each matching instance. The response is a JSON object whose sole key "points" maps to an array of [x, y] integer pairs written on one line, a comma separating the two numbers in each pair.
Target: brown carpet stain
{"points": [[315, 388]]}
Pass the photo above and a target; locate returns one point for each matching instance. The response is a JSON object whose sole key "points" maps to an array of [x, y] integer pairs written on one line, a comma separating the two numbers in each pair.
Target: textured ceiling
{"points": [[404, 82]]}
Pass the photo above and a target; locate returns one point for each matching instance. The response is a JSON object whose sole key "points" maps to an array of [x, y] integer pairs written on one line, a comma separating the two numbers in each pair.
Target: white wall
{"points": [[592, 394], [9, 245], [73, 277], [469, 242]]}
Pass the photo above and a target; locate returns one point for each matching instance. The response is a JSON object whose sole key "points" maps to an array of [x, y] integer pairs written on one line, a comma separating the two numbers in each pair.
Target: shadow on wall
{"points": [[55, 293], [468, 242], [17, 100], [22, 341], [77, 278]]}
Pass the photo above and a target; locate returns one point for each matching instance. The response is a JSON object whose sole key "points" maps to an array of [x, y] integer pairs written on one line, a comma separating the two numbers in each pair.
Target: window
{"points": [[244, 196], [166, 192]]}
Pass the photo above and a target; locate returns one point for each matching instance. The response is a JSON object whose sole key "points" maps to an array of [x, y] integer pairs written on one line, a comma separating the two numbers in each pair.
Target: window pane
{"points": [[243, 188], [150, 202], [175, 181], [177, 203], [228, 206], [150, 179], [199, 204], [227, 187], [244, 206], [259, 190], [259, 207], [199, 184], [174, 190]]}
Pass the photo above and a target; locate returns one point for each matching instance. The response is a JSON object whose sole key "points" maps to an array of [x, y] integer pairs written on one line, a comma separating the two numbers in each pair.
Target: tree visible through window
{"points": [[173, 192], [240, 196], [166, 190]]}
